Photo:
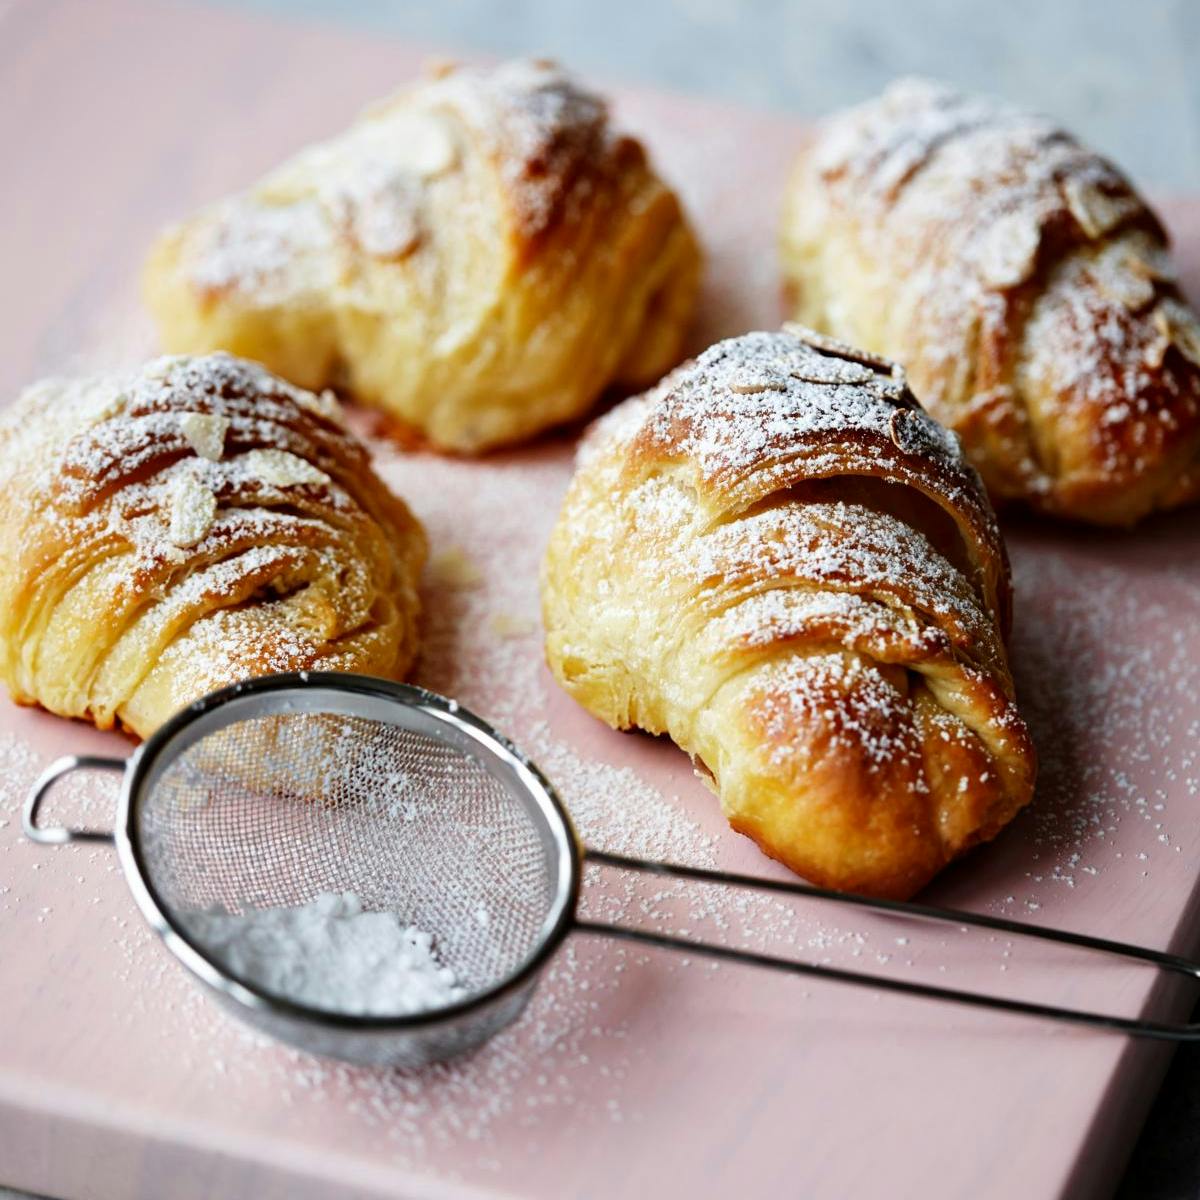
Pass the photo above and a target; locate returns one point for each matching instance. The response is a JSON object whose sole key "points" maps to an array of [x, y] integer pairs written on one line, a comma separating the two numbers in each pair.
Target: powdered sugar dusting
{"points": [[250, 247], [872, 713], [778, 391], [765, 411], [575, 1056], [544, 131], [1110, 686], [370, 187], [885, 559], [1018, 275], [189, 486], [330, 954]]}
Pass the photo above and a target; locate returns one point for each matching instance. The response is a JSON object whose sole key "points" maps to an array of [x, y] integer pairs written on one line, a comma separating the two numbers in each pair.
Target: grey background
{"points": [[1124, 75]]}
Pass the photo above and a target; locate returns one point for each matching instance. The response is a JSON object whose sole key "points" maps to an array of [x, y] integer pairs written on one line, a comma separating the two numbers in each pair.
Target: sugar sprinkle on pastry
{"points": [[188, 525], [779, 560], [1024, 284], [479, 257]]}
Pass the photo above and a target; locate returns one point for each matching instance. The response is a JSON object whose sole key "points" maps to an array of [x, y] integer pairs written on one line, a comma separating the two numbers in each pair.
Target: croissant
{"points": [[187, 526], [1022, 282], [479, 258], [778, 559]]}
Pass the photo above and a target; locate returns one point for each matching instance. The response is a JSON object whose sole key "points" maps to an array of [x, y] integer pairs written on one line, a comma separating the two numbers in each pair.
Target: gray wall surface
{"points": [[1121, 73]]}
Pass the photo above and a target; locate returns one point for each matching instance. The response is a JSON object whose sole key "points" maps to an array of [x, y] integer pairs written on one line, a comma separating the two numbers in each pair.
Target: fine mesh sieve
{"points": [[270, 793]]}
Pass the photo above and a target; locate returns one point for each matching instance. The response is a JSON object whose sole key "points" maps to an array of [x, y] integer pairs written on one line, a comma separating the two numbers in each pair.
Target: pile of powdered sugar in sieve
{"points": [[330, 954]]}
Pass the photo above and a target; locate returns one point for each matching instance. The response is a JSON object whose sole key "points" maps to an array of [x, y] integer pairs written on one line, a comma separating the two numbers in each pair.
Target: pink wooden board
{"points": [[634, 1073]]}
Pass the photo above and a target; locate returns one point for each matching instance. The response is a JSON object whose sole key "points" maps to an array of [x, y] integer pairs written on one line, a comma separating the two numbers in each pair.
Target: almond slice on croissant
{"points": [[1023, 283], [478, 257], [170, 531], [778, 559]]}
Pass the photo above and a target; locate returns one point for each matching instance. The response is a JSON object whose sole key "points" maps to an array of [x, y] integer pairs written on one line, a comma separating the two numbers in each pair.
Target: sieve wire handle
{"points": [[60, 835], [1165, 1031]]}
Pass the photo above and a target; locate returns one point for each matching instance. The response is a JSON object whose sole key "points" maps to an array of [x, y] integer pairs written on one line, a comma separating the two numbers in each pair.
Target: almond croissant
{"points": [[479, 257], [188, 526], [1024, 285], [779, 560]]}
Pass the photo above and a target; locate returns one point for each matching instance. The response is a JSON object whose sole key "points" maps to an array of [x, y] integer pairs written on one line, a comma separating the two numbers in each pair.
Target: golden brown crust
{"points": [[479, 257], [1023, 283], [778, 559], [195, 523]]}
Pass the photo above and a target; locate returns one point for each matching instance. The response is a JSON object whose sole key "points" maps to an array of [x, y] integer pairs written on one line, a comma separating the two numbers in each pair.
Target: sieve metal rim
{"points": [[139, 769]]}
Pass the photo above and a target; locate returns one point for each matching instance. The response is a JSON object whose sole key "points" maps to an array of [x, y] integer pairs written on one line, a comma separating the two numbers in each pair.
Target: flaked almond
{"points": [[205, 433], [193, 510], [1095, 209]]}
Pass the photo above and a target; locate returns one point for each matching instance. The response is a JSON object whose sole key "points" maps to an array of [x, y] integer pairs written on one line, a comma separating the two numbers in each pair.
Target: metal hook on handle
{"points": [[60, 835], [1164, 1031]]}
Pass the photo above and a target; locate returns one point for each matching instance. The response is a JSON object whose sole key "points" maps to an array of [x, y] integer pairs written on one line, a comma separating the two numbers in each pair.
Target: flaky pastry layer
{"points": [[1023, 283], [779, 560], [189, 525], [479, 257]]}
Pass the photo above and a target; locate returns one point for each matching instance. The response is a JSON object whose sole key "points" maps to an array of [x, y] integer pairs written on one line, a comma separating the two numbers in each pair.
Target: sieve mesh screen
{"points": [[273, 810]]}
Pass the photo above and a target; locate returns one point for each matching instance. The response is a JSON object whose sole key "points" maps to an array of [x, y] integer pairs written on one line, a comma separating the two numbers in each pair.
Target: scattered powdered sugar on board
{"points": [[330, 954], [1107, 681], [1108, 676], [545, 1075], [570, 1055]]}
